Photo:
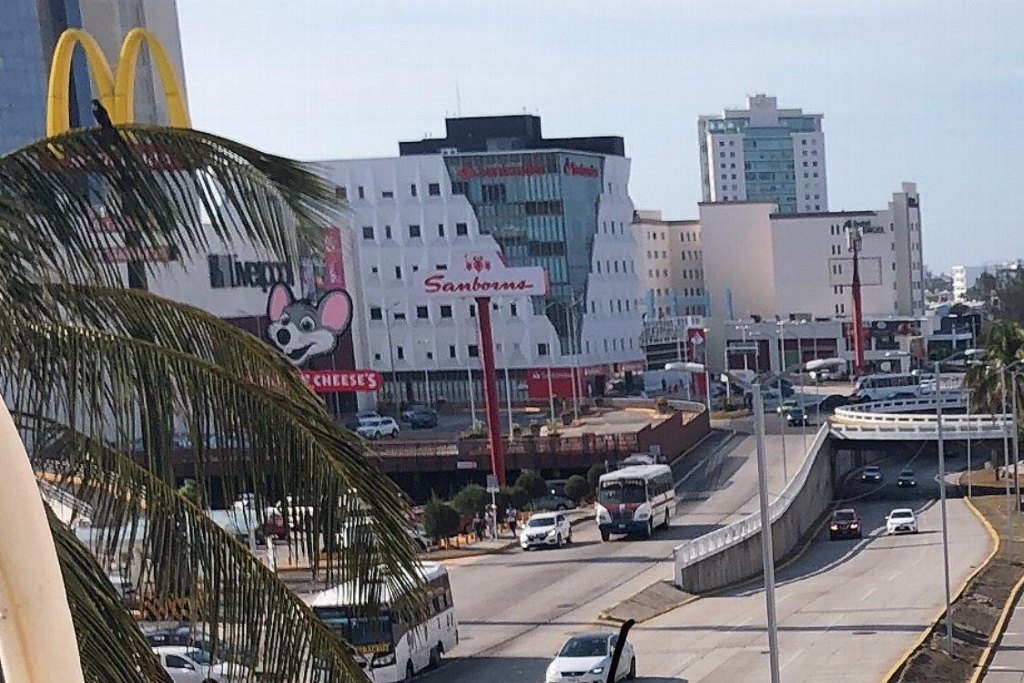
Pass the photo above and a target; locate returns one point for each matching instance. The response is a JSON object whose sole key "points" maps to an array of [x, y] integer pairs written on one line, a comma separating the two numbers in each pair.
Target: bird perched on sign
{"points": [[101, 115]]}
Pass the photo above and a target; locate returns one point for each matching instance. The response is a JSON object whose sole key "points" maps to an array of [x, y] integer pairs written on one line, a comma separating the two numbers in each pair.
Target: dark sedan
{"points": [[872, 474], [422, 418], [845, 524], [796, 417], [906, 479]]}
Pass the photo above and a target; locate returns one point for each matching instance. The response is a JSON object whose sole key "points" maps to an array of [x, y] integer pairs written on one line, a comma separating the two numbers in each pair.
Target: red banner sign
{"points": [[561, 383], [343, 381]]}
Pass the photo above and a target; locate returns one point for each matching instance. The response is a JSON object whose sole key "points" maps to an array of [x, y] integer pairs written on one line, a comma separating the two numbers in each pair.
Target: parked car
{"points": [[797, 416], [193, 665], [845, 524], [377, 427], [556, 487], [906, 478], [546, 529], [419, 538], [901, 520], [552, 502], [586, 658], [415, 408], [786, 406], [421, 418], [871, 474]]}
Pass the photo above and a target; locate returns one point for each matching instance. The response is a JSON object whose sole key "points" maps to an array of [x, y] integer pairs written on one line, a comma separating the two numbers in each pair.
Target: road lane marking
{"points": [[894, 576], [868, 594]]}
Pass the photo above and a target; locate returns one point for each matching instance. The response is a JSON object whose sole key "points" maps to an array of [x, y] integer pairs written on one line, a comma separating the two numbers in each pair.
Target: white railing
{"points": [[899, 405], [693, 551], [886, 420]]}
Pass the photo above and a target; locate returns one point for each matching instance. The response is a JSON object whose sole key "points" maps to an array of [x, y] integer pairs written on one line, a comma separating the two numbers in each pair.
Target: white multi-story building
{"points": [[495, 185], [672, 266], [762, 263], [763, 153]]}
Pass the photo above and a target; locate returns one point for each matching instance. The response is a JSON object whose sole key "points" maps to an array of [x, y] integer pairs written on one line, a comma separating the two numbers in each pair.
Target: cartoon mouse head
{"points": [[302, 330]]}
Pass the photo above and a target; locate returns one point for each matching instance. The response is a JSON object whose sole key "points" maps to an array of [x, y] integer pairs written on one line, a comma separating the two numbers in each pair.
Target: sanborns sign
{"points": [[480, 275]]}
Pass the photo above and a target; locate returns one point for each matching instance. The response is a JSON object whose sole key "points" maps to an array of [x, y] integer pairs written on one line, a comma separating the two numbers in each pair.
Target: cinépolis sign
{"points": [[227, 271]]}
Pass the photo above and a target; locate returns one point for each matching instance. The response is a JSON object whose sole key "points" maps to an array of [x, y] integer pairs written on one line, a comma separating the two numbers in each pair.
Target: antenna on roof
{"points": [[458, 99]]}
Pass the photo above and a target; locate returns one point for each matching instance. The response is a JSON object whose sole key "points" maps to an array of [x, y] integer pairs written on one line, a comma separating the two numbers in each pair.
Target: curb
{"points": [[980, 669], [890, 677]]}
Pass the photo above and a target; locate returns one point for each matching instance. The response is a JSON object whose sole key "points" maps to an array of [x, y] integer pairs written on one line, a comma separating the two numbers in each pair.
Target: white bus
{"points": [[893, 385], [387, 647], [635, 500]]}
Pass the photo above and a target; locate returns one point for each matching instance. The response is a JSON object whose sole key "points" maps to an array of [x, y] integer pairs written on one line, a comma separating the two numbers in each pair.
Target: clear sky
{"points": [[911, 90]]}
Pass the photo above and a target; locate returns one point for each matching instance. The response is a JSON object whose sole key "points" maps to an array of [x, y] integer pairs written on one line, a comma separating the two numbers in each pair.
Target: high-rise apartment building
{"points": [[28, 35], [763, 153], [671, 266]]}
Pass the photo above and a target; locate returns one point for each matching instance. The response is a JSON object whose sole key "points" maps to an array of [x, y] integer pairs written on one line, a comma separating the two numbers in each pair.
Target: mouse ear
{"points": [[336, 311], [280, 297]]}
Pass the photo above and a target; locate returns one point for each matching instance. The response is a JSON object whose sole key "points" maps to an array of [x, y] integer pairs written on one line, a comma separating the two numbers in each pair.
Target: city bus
{"points": [[887, 386], [387, 646], [635, 499]]}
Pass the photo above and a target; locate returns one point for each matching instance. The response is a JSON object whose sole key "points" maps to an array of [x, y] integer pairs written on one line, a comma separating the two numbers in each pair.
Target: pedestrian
{"points": [[478, 527], [492, 522], [511, 517]]}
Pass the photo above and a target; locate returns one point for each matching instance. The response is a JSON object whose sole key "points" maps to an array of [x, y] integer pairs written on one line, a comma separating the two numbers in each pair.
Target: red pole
{"points": [[491, 401], [858, 319]]}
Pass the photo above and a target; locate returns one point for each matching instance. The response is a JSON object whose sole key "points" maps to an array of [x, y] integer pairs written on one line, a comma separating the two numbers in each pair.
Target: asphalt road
{"points": [[515, 608], [847, 609]]}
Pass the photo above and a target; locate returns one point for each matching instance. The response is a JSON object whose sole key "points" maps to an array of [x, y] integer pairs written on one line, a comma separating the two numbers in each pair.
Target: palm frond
{"points": [[100, 618], [180, 554], [159, 185]]}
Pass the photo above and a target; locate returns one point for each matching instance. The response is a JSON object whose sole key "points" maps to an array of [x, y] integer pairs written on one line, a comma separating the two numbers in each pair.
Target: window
{"points": [[430, 355], [451, 351], [400, 352], [440, 229], [434, 189], [542, 349], [361, 192], [398, 272], [376, 313], [804, 141], [387, 194], [341, 193], [414, 231], [387, 232], [399, 316], [374, 269], [446, 312], [494, 193], [367, 232], [440, 266], [472, 310], [461, 229], [460, 187], [412, 189], [473, 350], [422, 312], [512, 310]]}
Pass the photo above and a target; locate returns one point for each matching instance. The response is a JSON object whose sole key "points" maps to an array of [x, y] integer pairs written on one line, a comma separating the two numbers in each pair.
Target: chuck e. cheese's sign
{"points": [[484, 275]]}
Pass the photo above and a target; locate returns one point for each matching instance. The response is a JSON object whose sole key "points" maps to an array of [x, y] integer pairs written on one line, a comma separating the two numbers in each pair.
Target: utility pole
{"points": [[853, 236]]}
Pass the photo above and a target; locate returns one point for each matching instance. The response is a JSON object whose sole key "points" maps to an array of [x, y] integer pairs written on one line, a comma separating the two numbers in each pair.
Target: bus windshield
{"points": [[620, 491], [365, 634]]}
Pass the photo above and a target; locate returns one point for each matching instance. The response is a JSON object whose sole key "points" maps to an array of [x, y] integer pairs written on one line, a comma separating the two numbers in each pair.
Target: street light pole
{"points": [[767, 546], [782, 368], [942, 499], [1006, 457], [970, 471], [1016, 450], [472, 396], [551, 390]]}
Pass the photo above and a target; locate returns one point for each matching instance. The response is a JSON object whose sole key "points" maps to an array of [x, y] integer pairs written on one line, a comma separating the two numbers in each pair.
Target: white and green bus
{"points": [[635, 500], [386, 645]]}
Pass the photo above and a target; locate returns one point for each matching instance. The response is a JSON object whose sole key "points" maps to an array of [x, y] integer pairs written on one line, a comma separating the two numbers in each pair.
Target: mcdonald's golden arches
{"points": [[116, 90]]}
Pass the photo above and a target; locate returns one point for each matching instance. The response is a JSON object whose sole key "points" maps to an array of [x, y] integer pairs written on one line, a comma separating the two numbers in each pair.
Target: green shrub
{"points": [[577, 488], [440, 520], [594, 476], [471, 500], [516, 495], [532, 483]]}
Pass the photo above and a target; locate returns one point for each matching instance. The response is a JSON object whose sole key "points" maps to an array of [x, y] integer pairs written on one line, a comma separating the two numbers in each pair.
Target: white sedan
{"points": [[546, 528], [186, 664], [901, 520], [586, 658]]}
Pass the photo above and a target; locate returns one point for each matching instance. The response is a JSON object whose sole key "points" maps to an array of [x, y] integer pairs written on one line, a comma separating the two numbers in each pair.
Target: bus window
{"points": [[621, 491]]}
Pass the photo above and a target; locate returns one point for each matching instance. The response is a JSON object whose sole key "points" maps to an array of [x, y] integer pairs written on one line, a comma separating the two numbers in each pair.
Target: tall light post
{"points": [[551, 390], [782, 368], [508, 394], [767, 546], [472, 397], [386, 314], [426, 372]]}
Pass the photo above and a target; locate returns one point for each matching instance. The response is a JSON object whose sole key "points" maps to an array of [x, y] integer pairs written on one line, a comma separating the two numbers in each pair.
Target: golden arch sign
{"points": [[116, 90]]}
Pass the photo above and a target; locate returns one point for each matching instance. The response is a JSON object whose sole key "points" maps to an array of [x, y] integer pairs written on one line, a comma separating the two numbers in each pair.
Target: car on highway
{"points": [[422, 418], [552, 502], [796, 417], [906, 478], [186, 664], [377, 427], [546, 529], [871, 474], [845, 524], [901, 521], [586, 658]]}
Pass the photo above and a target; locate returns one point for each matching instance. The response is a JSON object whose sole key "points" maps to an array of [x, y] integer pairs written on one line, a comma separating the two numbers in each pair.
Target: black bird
{"points": [[101, 115]]}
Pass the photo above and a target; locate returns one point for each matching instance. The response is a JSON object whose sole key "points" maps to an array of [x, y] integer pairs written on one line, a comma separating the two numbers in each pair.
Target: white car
{"points": [[191, 665], [546, 529], [901, 520], [376, 427], [586, 658]]}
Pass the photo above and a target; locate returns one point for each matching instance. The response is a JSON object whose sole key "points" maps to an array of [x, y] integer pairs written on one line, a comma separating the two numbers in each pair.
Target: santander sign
{"points": [[483, 275]]}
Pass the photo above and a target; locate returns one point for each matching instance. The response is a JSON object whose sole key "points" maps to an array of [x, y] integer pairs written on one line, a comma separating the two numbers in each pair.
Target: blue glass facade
{"points": [[541, 209]]}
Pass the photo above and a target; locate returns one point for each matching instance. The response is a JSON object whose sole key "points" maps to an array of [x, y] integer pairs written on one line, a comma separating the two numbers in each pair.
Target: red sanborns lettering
{"points": [[571, 168], [346, 381], [466, 172], [437, 283]]}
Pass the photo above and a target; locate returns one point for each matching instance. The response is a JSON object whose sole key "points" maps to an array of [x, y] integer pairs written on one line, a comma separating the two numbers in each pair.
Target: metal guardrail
{"points": [[702, 547], [886, 420]]}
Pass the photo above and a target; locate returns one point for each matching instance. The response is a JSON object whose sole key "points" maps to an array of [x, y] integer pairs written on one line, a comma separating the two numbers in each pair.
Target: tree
{"points": [[594, 475], [191, 492], [440, 520], [532, 483], [473, 498], [516, 495], [1002, 343], [577, 488], [88, 362]]}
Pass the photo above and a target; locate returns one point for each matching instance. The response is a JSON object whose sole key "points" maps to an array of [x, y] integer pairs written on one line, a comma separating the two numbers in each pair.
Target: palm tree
{"points": [[88, 363], [1002, 342]]}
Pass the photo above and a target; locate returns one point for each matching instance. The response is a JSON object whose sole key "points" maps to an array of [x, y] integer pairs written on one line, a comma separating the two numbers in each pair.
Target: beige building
{"points": [[671, 266]]}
